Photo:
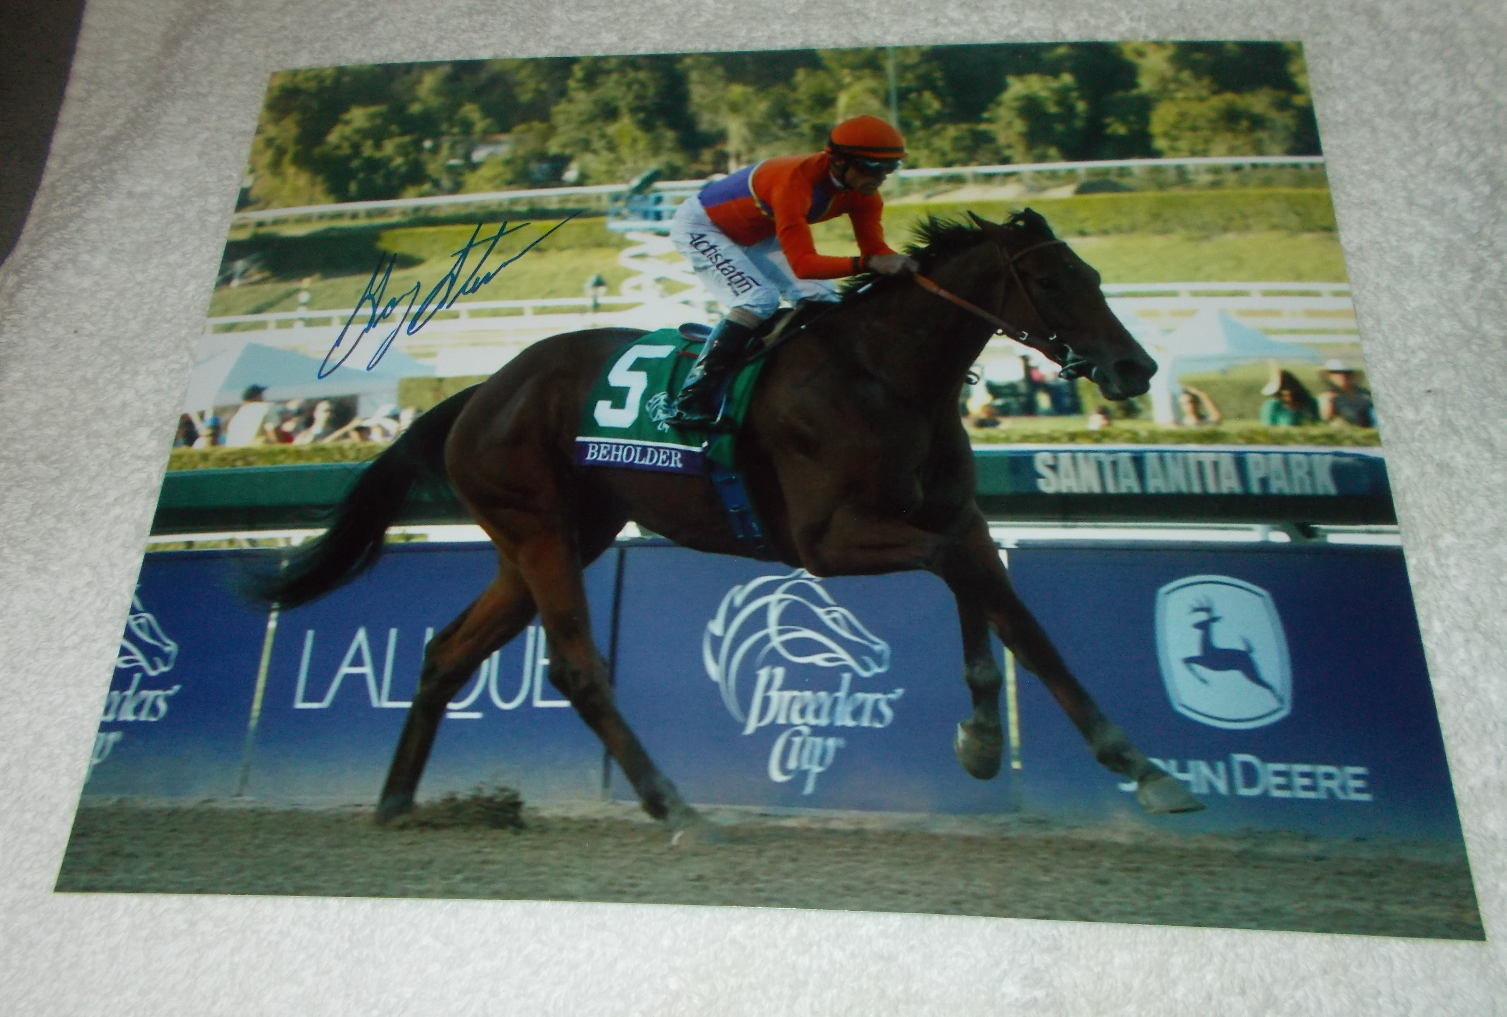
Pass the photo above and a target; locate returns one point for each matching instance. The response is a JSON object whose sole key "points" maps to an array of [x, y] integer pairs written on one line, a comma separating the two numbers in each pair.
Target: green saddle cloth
{"points": [[624, 423]]}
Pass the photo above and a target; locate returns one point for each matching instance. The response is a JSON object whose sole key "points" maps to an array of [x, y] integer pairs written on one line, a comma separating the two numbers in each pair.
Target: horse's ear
{"points": [[1034, 220], [993, 230]]}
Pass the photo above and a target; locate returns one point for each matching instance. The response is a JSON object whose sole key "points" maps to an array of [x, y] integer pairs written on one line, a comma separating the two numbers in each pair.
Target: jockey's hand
{"points": [[893, 264]]}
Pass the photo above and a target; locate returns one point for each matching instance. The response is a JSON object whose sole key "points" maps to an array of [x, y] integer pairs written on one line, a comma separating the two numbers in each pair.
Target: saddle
{"points": [[767, 335]]}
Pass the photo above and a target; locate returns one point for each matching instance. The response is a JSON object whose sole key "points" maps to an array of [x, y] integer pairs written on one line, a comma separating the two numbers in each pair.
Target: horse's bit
{"points": [[1054, 349]]}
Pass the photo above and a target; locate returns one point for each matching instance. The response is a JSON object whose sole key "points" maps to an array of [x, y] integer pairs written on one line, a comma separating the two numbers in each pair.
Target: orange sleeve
{"points": [[864, 212], [790, 202]]}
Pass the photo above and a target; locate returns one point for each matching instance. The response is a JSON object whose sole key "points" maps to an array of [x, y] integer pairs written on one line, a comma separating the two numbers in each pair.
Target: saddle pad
{"points": [[623, 424]]}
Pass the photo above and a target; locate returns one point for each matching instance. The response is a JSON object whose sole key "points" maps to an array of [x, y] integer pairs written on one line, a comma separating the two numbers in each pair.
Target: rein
{"points": [[1051, 347], [1054, 349]]}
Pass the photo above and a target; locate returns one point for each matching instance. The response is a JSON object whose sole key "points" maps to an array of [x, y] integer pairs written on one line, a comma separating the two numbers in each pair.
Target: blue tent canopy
{"points": [[1212, 340]]}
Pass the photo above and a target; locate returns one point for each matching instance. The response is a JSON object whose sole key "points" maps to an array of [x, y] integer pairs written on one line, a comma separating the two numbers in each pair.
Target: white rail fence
{"points": [[1322, 310], [598, 196]]}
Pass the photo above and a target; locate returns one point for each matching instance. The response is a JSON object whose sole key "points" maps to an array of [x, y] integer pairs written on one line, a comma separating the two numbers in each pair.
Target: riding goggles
{"points": [[874, 167]]}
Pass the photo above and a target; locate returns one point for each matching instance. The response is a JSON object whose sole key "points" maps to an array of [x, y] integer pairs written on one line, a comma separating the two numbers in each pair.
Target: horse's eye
{"points": [[1049, 284]]}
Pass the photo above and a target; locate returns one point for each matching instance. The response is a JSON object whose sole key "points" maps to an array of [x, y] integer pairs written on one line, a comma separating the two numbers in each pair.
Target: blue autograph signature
{"points": [[441, 298]]}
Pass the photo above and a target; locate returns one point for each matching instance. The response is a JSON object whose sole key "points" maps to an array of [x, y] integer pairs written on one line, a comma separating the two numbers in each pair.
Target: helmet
{"points": [[867, 140]]}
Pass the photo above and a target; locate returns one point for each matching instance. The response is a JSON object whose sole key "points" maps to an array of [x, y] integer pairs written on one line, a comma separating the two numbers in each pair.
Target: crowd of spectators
{"points": [[1342, 403], [295, 422]]}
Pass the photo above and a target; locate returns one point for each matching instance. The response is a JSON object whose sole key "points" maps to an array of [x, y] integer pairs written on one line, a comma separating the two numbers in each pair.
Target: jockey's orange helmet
{"points": [[867, 142]]}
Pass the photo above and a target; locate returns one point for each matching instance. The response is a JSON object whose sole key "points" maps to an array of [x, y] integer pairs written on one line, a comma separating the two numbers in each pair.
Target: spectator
{"points": [[1196, 409], [986, 415], [188, 432], [1345, 402], [1100, 418], [320, 427], [1288, 403], [209, 433], [384, 424], [251, 423], [290, 420]]}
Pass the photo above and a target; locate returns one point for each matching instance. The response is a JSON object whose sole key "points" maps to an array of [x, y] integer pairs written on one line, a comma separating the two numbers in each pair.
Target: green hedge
{"points": [[425, 393], [1192, 213], [1153, 434], [273, 455]]}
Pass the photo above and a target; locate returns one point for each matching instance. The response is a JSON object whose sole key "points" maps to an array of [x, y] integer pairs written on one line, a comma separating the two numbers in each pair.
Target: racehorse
{"points": [[854, 457]]}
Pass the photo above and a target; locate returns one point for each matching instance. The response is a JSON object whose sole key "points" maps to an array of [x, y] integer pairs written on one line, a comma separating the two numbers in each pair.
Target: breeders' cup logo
{"points": [[660, 410], [1223, 653], [145, 651], [144, 646], [788, 628]]}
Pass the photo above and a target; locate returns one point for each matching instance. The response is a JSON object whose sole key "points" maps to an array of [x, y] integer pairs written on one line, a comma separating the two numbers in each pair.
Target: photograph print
{"points": [[929, 479]]}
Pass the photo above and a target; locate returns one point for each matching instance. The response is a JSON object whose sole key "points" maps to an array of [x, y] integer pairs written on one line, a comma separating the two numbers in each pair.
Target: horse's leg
{"points": [[979, 580], [503, 610], [576, 668], [979, 741]]}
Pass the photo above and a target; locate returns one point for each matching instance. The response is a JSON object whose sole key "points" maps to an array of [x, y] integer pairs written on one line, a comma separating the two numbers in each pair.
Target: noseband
{"points": [[1054, 349]]}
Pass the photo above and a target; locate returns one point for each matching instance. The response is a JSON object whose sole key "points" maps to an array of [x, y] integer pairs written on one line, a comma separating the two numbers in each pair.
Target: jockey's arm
{"points": [[800, 251], [791, 204]]}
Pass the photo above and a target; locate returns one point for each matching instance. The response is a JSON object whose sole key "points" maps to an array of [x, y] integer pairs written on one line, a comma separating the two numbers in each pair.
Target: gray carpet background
{"points": [[100, 310]]}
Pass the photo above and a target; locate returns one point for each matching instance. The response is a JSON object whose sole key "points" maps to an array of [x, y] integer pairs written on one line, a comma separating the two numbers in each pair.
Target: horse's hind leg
{"points": [[580, 673], [503, 610], [979, 581]]}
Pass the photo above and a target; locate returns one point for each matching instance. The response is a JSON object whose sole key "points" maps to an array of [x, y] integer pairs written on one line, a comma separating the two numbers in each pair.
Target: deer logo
{"points": [[1223, 652], [1212, 657]]}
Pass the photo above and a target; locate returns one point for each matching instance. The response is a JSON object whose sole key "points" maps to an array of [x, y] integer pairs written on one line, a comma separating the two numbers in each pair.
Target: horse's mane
{"points": [[938, 239]]}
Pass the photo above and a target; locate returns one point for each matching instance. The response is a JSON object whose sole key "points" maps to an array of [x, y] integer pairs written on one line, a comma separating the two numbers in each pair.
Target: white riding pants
{"points": [[753, 278]]}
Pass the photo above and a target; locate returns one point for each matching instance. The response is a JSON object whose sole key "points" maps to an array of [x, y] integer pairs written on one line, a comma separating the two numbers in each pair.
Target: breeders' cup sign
{"points": [[146, 651], [774, 638]]}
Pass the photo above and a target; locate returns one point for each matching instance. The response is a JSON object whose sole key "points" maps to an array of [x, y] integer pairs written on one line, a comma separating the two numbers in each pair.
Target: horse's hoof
{"points": [[689, 827], [389, 809], [979, 750], [699, 832], [1161, 793]]}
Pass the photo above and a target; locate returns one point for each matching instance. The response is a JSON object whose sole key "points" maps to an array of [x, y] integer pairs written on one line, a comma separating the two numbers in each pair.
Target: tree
{"points": [[623, 115], [366, 156], [1039, 118], [1254, 123], [1227, 98]]}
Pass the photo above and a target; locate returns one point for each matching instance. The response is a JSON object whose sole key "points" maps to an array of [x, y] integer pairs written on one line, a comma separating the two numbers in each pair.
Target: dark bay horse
{"points": [[855, 459]]}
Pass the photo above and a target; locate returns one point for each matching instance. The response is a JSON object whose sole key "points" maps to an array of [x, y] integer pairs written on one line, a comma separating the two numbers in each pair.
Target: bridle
{"points": [[1051, 347]]}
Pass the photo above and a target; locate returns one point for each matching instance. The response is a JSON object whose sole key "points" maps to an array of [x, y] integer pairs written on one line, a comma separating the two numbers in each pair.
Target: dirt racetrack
{"points": [[1013, 867]]}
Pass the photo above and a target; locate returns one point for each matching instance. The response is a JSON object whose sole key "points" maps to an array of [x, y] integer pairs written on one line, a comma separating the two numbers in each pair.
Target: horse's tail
{"points": [[353, 542]]}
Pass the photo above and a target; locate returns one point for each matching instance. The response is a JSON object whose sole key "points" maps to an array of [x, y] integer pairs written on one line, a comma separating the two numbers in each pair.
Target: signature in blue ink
{"points": [[441, 297]]}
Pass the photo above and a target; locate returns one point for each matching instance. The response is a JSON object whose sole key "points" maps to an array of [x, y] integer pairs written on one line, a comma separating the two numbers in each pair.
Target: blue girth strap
{"points": [[740, 510]]}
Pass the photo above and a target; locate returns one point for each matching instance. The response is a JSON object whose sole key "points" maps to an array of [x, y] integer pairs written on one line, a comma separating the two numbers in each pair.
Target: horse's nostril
{"points": [[1132, 377]]}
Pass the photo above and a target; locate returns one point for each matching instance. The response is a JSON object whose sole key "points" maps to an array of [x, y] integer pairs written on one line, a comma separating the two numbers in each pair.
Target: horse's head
{"points": [[1045, 288]]}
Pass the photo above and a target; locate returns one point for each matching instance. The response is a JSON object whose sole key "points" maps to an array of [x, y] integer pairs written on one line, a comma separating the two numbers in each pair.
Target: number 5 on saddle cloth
{"points": [[625, 423]]}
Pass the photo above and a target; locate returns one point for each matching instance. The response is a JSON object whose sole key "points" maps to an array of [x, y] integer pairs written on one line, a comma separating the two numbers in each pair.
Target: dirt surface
{"points": [[605, 852]]}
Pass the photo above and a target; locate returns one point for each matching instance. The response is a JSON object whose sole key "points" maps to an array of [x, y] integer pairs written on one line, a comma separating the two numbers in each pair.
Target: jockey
{"points": [[748, 237]]}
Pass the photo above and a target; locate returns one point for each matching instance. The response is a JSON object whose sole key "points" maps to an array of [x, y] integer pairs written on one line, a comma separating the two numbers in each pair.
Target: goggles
{"points": [[873, 167]]}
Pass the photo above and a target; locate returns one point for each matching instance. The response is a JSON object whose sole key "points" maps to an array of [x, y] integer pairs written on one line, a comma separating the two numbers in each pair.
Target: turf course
{"points": [[1237, 235]]}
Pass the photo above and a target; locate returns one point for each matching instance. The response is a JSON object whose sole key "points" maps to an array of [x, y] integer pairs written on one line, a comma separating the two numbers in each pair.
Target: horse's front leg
{"points": [[980, 740], [972, 568]]}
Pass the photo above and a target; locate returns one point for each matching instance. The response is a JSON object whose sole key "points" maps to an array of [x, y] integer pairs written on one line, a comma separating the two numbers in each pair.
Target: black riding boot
{"points": [[697, 404]]}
